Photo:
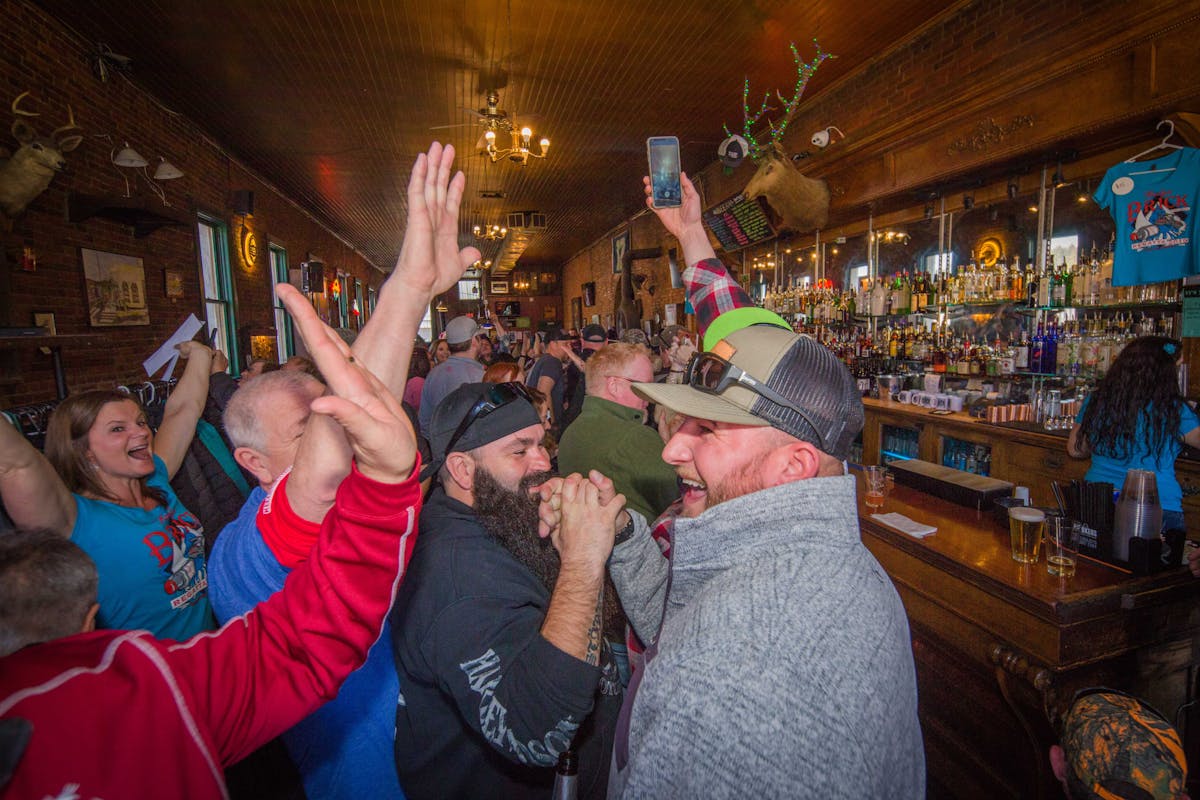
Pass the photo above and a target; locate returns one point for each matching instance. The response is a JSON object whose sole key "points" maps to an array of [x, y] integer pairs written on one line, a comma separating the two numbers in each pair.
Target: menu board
{"points": [[738, 222]]}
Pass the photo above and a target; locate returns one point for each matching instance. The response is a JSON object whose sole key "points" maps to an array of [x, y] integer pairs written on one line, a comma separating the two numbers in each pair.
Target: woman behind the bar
{"points": [[1137, 419]]}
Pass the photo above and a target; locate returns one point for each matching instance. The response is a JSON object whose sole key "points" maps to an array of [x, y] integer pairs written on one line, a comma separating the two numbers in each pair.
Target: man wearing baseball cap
{"points": [[548, 373], [780, 662], [591, 339], [1116, 747], [461, 367], [497, 634]]}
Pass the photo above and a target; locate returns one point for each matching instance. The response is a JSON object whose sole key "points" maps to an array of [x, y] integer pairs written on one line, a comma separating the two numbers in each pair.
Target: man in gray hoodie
{"points": [[780, 663]]}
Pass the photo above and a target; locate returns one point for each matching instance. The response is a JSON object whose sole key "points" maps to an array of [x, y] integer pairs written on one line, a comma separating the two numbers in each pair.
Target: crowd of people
{"points": [[458, 566]]}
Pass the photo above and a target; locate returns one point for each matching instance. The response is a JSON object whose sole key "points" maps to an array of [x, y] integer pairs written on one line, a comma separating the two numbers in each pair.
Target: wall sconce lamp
{"points": [[128, 158], [1085, 193]]}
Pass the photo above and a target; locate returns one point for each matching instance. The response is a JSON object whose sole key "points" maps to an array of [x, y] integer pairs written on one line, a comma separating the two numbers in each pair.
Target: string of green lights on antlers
{"points": [[804, 71]]}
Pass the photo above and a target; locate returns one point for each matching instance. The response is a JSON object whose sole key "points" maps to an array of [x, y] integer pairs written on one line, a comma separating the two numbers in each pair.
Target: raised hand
{"points": [[376, 426], [430, 260], [679, 219], [191, 349]]}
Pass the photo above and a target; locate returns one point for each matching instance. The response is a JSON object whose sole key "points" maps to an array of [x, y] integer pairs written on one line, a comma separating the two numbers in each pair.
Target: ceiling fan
{"points": [[492, 117]]}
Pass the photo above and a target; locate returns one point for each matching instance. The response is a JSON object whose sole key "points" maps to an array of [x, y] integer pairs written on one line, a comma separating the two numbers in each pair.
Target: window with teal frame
{"points": [[219, 303], [284, 343], [359, 306], [343, 300]]}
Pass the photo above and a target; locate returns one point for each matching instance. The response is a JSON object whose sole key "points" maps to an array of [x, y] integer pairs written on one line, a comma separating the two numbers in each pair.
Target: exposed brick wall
{"points": [[38, 55], [975, 55]]}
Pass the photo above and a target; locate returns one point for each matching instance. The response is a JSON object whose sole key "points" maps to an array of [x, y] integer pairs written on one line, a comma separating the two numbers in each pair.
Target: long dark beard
{"points": [[512, 518]]}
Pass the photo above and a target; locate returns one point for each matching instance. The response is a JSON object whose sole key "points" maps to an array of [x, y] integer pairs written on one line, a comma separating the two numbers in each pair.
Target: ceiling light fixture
{"points": [[490, 232], [519, 153]]}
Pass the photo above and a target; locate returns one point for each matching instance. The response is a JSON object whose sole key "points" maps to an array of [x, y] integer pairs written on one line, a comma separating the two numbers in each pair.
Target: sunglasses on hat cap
{"points": [[498, 396], [712, 374]]}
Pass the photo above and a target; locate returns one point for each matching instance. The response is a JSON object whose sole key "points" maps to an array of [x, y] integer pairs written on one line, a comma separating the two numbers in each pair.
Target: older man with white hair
{"points": [[344, 750]]}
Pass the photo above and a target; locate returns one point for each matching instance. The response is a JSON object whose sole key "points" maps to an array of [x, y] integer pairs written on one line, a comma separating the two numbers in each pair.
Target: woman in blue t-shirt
{"points": [[1137, 419], [104, 483]]}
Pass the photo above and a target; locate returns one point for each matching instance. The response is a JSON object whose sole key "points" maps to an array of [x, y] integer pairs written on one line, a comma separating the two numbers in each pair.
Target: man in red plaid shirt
{"points": [[720, 304], [721, 307]]}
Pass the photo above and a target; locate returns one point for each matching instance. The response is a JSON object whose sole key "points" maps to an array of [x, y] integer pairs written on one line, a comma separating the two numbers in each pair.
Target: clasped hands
{"points": [[581, 516]]}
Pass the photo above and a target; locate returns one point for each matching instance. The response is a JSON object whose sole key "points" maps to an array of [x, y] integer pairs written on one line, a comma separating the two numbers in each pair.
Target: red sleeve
{"points": [[266, 670], [289, 536]]}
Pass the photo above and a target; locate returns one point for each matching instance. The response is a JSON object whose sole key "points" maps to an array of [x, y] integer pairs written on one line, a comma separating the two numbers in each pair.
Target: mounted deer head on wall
{"points": [[27, 172], [802, 202]]}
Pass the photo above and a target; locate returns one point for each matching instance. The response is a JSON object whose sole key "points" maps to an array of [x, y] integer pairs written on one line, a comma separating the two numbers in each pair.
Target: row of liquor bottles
{"points": [[1088, 283], [1079, 348]]}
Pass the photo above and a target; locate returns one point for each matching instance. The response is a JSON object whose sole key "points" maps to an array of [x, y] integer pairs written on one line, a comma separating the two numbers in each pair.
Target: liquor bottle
{"points": [[920, 297], [1031, 286], [1050, 349], [1045, 285], [1037, 349], [1021, 352], [1062, 351], [1016, 284], [566, 777], [878, 298]]}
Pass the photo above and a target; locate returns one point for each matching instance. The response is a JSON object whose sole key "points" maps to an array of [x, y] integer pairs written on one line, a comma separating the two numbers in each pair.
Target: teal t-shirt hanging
{"points": [[1151, 203]]}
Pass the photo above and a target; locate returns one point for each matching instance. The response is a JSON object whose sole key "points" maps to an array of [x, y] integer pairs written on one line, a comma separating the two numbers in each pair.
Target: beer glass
{"points": [[1025, 527], [876, 485], [1062, 540]]}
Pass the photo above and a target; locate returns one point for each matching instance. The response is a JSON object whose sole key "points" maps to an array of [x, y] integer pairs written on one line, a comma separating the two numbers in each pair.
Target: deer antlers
{"points": [[19, 111], [804, 71], [57, 136]]}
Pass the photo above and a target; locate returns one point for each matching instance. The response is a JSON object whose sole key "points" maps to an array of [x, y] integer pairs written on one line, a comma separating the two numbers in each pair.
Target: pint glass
{"points": [[1025, 527]]}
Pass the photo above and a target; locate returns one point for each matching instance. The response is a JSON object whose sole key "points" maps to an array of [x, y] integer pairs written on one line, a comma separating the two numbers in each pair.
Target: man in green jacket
{"points": [[609, 435]]}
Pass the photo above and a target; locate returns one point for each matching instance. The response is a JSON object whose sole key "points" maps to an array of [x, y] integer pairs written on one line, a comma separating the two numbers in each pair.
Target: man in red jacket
{"points": [[120, 714]]}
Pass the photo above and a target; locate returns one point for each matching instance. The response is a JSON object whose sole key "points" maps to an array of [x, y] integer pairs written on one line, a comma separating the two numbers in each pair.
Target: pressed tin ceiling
{"points": [[332, 100]]}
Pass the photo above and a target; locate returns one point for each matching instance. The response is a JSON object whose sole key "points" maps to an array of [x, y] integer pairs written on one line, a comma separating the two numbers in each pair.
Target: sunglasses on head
{"points": [[498, 396], [711, 374]]}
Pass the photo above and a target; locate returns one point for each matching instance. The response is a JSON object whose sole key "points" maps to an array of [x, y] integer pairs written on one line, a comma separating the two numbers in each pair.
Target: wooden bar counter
{"points": [[1001, 647], [1021, 454]]}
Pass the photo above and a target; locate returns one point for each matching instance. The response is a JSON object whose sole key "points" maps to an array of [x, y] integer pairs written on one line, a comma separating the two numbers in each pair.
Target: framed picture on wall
{"points": [[589, 294], [620, 246], [576, 312], [499, 287], [116, 289], [549, 312]]}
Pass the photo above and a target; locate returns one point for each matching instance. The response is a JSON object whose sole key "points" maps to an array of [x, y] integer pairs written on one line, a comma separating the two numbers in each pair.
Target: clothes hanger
{"points": [[1163, 145]]}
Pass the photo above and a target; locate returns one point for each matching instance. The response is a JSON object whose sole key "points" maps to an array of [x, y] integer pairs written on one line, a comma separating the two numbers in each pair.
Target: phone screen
{"points": [[663, 153]]}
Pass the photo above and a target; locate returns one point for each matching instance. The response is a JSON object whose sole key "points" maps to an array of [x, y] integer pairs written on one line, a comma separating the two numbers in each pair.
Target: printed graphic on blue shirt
{"points": [[179, 549], [1158, 220]]}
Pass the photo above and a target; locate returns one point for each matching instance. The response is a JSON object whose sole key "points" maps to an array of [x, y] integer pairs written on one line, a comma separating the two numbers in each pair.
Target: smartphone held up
{"points": [[663, 154]]}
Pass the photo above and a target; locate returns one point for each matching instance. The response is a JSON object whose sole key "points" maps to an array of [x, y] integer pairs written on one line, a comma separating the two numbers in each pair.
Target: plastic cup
{"points": [[1140, 487], [1062, 545], [876, 485], [1025, 526]]}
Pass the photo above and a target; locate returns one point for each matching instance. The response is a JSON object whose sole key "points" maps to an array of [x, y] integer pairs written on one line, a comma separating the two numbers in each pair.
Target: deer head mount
{"points": [[27, 172], [801, 202]]}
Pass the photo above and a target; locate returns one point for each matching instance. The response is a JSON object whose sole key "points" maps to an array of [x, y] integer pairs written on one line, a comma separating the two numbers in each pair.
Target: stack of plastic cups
{"points": [[1138, 512]]}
